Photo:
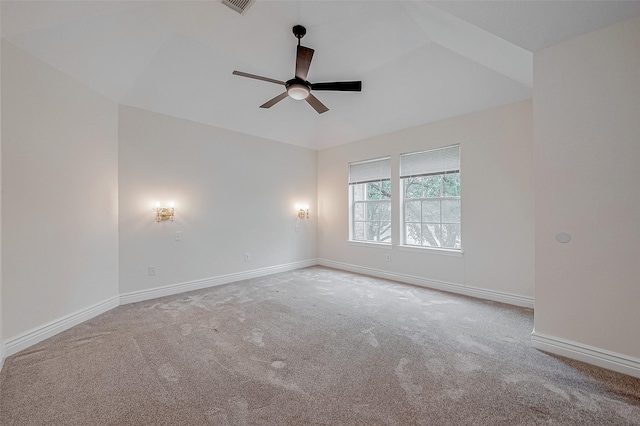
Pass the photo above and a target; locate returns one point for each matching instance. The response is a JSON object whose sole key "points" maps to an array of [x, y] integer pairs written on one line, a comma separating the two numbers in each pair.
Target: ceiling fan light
{"points": [[298, 91]]}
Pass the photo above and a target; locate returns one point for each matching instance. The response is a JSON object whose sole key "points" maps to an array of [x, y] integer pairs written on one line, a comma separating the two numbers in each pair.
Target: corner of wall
{"points": [[44, 331], [586, 100], [1, 334], [70, 122], [591, 355]]}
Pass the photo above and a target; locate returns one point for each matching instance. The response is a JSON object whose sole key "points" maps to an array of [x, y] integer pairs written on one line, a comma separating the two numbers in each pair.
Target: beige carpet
{"points": [[309, 347]]}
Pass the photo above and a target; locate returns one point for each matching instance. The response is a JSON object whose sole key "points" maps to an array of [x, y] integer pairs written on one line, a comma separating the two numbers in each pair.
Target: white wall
{"points": [[497, 201], [234, 194], [587, 152], [59, 206]]}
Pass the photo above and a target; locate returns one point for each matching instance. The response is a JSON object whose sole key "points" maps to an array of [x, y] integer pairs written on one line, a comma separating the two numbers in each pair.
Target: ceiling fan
{"points": [[298, 87]]}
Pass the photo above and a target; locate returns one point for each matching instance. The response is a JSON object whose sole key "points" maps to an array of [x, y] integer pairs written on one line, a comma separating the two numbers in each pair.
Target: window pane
{"points": [[372, 231], [386, 189], [412, 211], [373, 212], [413, 234], [358, 192], [451, 236], [373, 190], [385, 211], [431, 186], [431, 211], [385, 231], [452, 185], [451, 211], [431, 235], [378, 190], [412, 188], [358, 211], [358, 231]]}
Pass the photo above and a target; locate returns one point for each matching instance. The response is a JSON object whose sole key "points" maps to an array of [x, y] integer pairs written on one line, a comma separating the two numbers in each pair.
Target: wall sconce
{"points": [[165, 213], [303, 211]]}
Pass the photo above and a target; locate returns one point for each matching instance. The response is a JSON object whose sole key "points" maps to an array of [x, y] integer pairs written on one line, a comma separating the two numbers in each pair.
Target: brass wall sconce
{"points": [[165, 213], [303, 211]]}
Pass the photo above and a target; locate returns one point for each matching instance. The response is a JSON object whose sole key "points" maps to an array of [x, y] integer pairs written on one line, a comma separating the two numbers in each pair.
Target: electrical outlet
{"points": [[387, 257], [178, 236], [152, 271], [247, 257], [295, 228]]}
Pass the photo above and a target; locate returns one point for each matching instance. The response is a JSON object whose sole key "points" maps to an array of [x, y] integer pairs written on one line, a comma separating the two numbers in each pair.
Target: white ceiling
{"points": [[418, 61]]}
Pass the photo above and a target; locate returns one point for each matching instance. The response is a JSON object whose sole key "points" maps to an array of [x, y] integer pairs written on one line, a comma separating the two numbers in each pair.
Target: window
{"points": [[431, 198], [370, 200]]}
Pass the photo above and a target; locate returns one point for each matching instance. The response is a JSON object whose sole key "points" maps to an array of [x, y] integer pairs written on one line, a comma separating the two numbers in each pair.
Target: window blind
{"points": [[370, 171], [435, 161]]}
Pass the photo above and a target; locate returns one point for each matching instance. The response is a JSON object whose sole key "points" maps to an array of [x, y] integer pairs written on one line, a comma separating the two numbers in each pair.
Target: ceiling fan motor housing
{"points": [[299, 31], [297, 88]]}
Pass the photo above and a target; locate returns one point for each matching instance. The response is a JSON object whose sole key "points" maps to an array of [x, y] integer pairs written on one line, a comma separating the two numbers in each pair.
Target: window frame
{"points": [[353, 202], [442, 197]]}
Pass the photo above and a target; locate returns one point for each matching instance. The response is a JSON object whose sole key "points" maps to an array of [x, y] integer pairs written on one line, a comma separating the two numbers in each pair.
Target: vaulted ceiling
{"points": [[419, 61]]}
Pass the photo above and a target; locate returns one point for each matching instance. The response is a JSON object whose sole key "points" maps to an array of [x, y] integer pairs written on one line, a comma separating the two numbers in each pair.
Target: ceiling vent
{"points": [[238, 5]]}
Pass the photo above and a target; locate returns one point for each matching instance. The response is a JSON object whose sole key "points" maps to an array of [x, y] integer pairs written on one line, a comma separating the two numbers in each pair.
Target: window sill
{"points": [[370, 244], [431, 250]]}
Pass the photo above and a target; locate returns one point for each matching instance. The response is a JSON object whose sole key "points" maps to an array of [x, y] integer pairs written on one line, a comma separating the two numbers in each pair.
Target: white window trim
{"points": [[432, 250], [370, 244]]}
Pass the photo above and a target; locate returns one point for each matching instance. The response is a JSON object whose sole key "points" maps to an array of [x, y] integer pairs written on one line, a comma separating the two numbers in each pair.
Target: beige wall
{"points": [[1, 333], [496, 150], [234, 194], [60, 194], [587, 149]]}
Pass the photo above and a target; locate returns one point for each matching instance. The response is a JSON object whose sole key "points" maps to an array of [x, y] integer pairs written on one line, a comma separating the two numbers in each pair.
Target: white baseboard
{"points": [[168, 290], [498, 296], [35, 335], [585, 353]]}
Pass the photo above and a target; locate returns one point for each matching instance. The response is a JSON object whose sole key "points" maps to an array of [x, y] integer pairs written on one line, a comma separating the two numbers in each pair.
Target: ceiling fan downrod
{"points": [[299, 31]]}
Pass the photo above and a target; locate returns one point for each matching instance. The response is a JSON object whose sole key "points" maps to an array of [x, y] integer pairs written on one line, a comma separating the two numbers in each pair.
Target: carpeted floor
{"points": [[310, 347]]}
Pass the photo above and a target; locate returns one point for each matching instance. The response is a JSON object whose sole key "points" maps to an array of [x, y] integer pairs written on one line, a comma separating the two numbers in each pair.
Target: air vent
{"points": [[238, 5]]}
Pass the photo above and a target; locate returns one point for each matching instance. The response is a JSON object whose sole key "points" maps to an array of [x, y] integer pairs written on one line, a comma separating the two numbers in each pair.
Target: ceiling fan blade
{"points": [[316, 104], [303, 62], [342, 86], [257, 77], [274, 101]]}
